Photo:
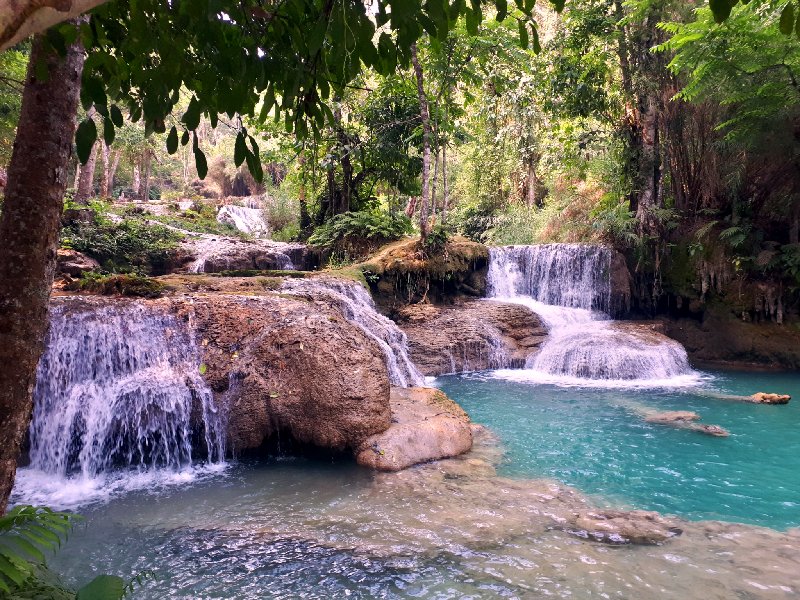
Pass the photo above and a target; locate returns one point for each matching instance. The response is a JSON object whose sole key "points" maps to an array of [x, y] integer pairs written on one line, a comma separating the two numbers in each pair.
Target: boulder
{"points": [[284, 366], [426, 425], [622, 527], [471, 335], [73, 263], [765, 398]]}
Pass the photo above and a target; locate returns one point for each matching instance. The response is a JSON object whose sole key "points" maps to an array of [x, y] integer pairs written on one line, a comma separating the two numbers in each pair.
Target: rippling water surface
{"points": [[596, 440], [304, 528]]}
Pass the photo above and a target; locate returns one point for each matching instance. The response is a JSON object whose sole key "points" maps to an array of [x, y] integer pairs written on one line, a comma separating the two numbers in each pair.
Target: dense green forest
{"points": [[642, 124]]}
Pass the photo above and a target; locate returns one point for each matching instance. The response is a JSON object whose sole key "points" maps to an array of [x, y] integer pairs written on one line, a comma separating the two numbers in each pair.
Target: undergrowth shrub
{"points": [[355, 234], [130, 245]]}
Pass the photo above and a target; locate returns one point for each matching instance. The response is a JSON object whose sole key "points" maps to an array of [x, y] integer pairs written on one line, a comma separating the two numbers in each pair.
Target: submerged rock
{"points": [[472, 335], [675, 416], [426, 425], [622, 526]]}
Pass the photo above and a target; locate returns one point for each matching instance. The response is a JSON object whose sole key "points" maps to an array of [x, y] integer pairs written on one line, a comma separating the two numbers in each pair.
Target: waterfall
{"points": [[245, 219], [356, 305], [569, 287], [119, 392]]}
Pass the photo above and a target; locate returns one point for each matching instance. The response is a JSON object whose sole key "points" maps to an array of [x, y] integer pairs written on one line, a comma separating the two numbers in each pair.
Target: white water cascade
{"points": [[119, 401], [569, 287], [356, 305], [245, 219]]}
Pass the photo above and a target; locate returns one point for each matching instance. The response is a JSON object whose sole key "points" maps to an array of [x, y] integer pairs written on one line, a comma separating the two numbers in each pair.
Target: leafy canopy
{"points": [[282, 61]]}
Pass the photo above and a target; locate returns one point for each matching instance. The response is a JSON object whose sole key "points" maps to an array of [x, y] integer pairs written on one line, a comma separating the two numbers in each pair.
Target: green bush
{"points": [[131, 245], [354, 234]]}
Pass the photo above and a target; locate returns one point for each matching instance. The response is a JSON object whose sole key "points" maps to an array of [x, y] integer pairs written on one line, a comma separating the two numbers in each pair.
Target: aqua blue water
{"points": [[595, 440]]}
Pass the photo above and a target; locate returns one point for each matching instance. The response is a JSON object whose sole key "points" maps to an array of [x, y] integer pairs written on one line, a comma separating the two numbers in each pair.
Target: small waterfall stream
{"points": [[119, 394], [245, 219], [356, 305], [569, 287]]}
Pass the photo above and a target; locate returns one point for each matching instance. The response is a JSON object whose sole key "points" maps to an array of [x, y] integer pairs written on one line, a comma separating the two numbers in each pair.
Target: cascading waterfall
{"points": [[118, 391], [356, 305], [569, 287], [245, 219]]}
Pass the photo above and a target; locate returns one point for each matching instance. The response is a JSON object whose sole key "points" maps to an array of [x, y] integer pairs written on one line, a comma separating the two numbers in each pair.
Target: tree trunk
{"points": [[104, 190], [29, 226], [445, 185], [113, 171], [426, 143], [433, 183]]}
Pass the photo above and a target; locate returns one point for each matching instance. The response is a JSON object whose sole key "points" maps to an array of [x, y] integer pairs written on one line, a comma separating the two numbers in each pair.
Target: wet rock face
{"points": [[285, 366], [73, 263], [214, 254], [622, 527], [766, 398], [472, 335], [621, 285], [426, 425]]}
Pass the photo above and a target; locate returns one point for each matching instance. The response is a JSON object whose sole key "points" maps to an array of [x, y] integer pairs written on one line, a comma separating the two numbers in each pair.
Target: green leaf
{"points": [[172, 140], [192, 115], [239, 150], [523, 33], [200, 163], [103, 587], [116, 115], [109, 133], [203, 368], [797, 25], [537, 47], [721, 9], [786, 24], [502, 9], [85, 137]]}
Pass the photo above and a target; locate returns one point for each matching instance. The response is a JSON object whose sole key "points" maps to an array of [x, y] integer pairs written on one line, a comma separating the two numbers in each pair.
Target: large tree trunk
{"points": [[426, 143], [29, 226]]}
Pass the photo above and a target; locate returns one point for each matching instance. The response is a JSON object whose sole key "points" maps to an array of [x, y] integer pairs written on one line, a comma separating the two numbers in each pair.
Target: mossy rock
{"points": [[406, 271], [119, 285]]}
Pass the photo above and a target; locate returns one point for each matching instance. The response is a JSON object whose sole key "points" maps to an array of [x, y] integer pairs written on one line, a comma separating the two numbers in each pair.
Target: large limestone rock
{"points": [[472, 335], [426, 425], [283, 366]]}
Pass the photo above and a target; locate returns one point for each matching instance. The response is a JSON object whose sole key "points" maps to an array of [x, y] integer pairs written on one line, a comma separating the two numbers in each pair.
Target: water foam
{"points": [[356, 305], [119, 399]]}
